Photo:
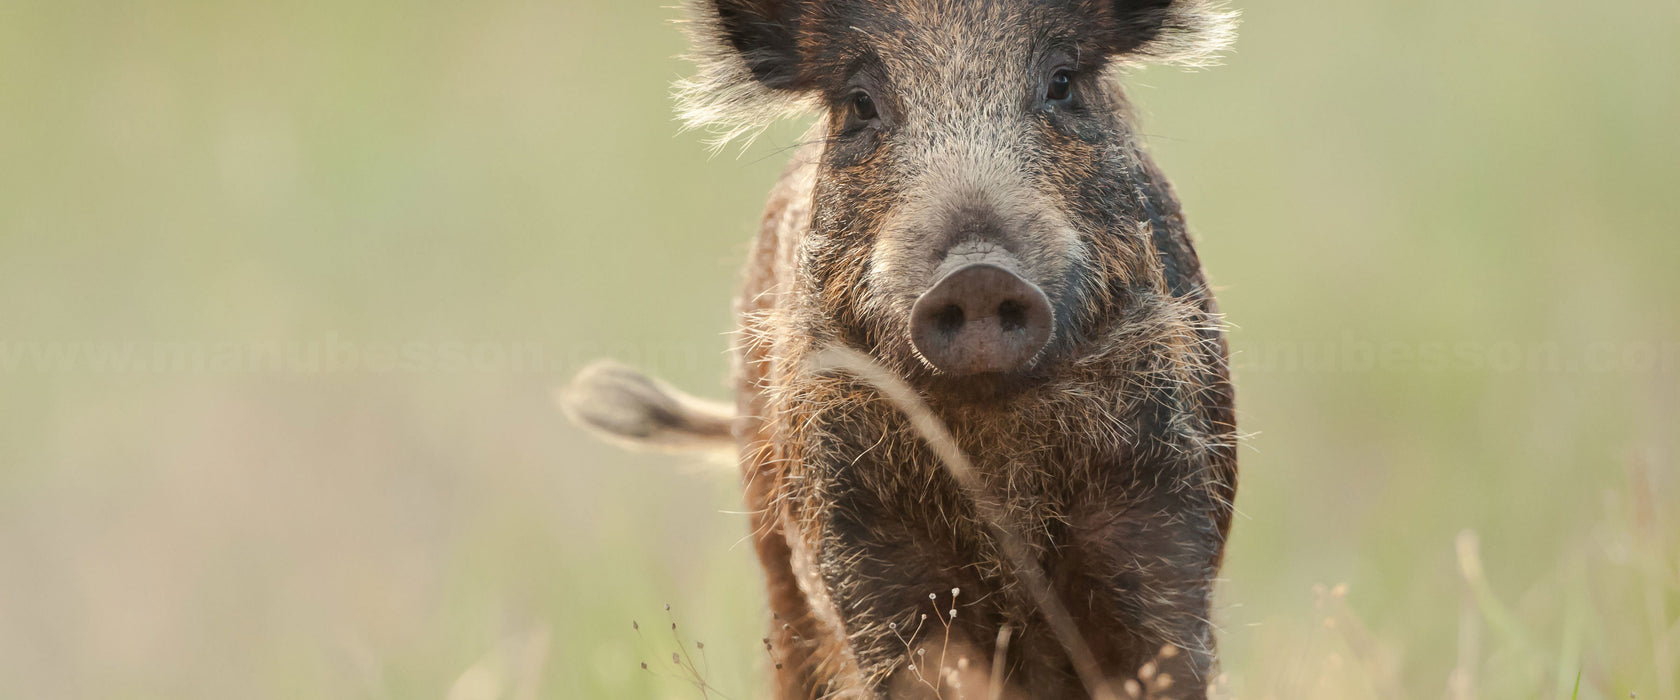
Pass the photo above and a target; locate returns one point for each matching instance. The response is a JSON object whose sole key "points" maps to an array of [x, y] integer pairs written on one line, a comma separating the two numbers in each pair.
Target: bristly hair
{"points": [[726, 99], [1190, 34], [723, 97]]}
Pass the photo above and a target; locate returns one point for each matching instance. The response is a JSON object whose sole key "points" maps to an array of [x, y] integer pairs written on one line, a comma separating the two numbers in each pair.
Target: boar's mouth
{"points": [[990, 387]]}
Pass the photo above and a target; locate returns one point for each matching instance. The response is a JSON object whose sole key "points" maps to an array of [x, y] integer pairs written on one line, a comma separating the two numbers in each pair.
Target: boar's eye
{"points": [[1061, 86], [863, 107]]}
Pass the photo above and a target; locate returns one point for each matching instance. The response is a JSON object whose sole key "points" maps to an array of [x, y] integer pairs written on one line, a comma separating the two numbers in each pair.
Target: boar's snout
{"points": [[981, 318]]}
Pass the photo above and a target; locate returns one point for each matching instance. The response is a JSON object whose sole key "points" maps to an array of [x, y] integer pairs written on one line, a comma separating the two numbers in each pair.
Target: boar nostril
{"points": [[949, 319], [1012, 315], [981, 318]]}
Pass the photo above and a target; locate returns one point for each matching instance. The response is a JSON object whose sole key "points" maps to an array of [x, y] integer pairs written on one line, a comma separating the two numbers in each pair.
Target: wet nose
{"points": [[981, 318]]}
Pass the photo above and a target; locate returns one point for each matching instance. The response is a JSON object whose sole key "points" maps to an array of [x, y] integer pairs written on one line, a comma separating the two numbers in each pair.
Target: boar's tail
{"points": [[638, 411]]}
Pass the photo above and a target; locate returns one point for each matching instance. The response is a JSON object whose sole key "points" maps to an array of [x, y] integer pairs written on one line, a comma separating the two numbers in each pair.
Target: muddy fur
{"points": [[1112, 453]]}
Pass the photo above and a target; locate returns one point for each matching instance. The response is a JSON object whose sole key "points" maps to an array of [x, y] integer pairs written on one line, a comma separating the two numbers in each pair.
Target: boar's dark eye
{"points": [[1061, 86], [863, 108]]}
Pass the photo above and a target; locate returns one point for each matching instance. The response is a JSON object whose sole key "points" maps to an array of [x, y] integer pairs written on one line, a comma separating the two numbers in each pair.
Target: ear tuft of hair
{"points": [[632, 409], [746, 68], [1187, 33]]}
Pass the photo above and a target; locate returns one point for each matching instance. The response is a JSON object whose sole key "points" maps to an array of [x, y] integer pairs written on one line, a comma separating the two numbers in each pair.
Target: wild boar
{"points": [[976, 214]]}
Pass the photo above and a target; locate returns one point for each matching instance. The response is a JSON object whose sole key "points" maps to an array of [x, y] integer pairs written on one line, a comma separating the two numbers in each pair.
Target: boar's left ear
{"points": [[1183, 32], [748, 66]]}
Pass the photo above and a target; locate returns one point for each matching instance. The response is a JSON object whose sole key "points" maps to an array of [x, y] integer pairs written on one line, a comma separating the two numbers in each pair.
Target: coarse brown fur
{"points": [[1113, 454]]}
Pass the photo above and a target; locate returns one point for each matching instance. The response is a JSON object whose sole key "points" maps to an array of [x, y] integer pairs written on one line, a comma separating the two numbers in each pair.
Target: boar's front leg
{"points": [[1138, 579], [894, 575]]}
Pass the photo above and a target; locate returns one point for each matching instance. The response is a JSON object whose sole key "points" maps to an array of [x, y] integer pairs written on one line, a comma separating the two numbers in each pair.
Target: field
{"points": [[286, 290]]}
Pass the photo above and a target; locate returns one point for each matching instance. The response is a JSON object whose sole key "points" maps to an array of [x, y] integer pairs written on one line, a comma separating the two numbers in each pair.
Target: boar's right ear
{"points": [[748, 62]]}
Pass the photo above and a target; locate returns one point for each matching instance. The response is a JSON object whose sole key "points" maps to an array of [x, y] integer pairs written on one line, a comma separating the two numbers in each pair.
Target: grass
{"points": [[1502, 651]]}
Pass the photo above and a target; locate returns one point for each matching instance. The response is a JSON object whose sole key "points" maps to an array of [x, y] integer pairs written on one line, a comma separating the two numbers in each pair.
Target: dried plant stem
{"points": [[940, 440], [1463, 682], [999, 655]]}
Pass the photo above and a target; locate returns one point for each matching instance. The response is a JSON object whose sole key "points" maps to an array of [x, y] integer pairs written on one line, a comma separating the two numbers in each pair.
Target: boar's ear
{"points": [[748, 66], [1183, 32]]}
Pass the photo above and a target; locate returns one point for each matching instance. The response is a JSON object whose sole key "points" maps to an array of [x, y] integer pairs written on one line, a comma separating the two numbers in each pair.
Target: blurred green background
{"points": [[286, 288]]}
